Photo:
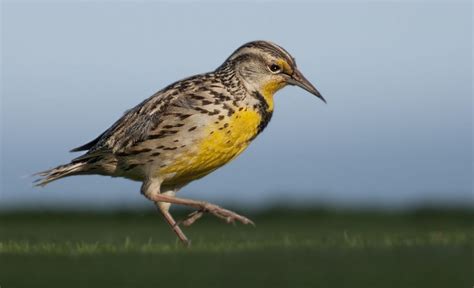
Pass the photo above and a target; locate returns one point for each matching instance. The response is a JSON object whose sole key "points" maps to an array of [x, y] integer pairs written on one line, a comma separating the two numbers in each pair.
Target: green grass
{"points": [[286, 249]]}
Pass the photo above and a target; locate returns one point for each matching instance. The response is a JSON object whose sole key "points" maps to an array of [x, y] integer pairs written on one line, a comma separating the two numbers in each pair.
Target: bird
{"points": [[189, 129]]}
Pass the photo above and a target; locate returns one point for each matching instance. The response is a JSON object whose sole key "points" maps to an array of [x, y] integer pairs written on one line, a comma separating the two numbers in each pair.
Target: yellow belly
{"points": [[221, 144]]}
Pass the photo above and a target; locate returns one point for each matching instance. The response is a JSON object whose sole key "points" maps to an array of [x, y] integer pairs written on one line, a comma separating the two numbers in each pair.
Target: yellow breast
{"points": [[221, 143]]}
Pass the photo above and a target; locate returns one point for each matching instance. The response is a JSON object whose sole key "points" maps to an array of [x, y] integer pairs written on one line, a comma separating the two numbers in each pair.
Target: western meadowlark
{"points": [[191, 128]]}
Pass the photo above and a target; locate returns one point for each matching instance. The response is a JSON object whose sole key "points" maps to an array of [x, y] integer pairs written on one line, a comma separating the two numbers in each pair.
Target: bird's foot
{"points": [[226, 215]]}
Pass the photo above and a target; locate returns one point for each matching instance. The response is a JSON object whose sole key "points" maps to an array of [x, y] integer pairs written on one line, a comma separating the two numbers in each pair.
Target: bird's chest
{"points": [[219, 142]]}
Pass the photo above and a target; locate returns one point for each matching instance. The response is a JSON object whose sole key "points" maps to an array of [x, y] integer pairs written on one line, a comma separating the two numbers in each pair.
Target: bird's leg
{"points": [[152, 187], [165, 211], [227, 215]]}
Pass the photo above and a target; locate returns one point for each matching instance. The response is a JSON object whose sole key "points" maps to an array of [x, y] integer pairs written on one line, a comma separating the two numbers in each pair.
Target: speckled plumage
{"points": [[191, 127], [168, 129]]}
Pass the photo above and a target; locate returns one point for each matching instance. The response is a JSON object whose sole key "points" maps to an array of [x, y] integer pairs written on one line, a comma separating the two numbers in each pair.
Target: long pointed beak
{"points": [[299, 80]]}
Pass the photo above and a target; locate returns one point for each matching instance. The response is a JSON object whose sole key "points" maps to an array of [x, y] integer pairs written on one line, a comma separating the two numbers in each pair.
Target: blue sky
{"points": [[396, 132]]}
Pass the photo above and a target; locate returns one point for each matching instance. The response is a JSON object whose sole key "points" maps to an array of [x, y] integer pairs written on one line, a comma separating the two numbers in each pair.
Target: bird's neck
{"points": [[264, 109], [267, 90]]}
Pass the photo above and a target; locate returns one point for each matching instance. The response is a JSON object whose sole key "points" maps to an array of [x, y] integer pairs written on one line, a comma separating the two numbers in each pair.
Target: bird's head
{"points": [[267, 67]]}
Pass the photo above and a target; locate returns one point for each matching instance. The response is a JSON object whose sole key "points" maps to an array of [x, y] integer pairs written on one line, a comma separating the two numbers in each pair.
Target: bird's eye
{"points": [[275, 68]]}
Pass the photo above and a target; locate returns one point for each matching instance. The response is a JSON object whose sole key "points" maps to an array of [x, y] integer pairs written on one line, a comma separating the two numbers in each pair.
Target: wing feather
{"points": [[137, 123], [134, 126]]}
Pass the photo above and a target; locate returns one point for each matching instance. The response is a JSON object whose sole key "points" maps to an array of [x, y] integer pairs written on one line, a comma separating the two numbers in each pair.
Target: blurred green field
{"points": [[286, 249]]}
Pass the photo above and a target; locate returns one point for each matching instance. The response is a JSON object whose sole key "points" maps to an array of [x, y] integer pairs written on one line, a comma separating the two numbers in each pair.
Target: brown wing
{"points": [[137, 123], [134, 126]]}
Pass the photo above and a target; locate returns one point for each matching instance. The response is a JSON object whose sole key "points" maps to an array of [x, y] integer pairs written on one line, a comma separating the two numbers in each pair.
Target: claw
{"points": [[227, 215]]}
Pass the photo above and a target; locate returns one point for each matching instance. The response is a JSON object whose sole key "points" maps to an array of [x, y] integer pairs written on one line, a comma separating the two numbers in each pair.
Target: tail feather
{"points": [[59, 172]]}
